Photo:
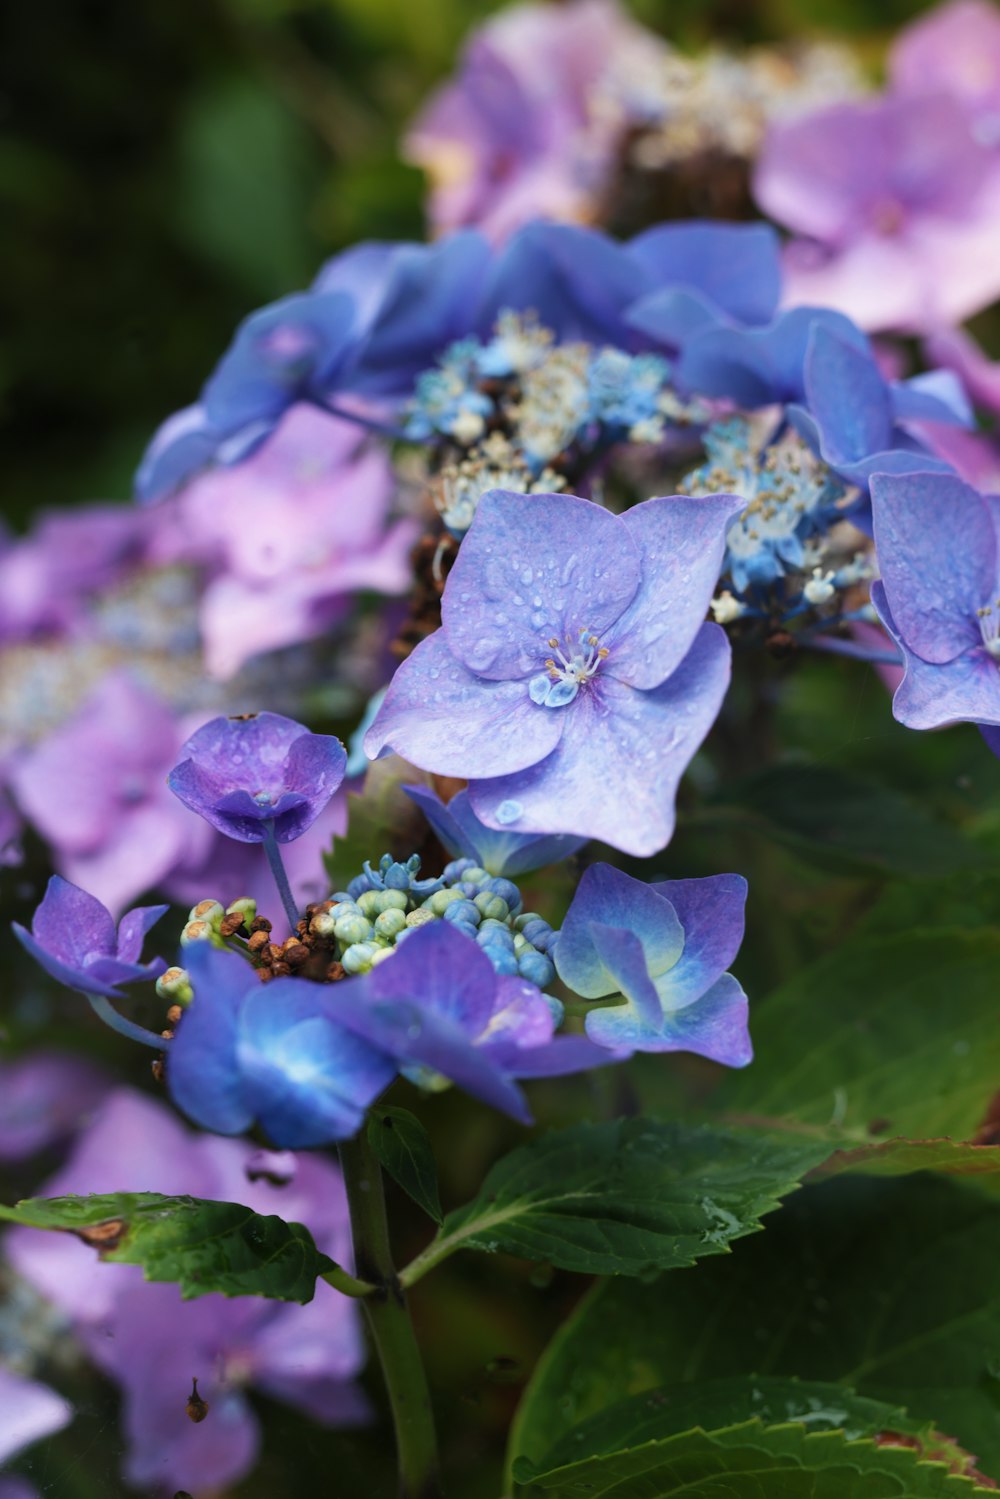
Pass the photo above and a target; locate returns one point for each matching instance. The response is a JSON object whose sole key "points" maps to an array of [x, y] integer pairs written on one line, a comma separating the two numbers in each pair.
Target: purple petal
{"points": [[934, 396], [636, 1025], [756, 366], [711, 913], [132, 930], [715, 1027], [443, 970], [28, 1412], [63, 973], [964, 690], [44, 1096], [577, 280], [937, 552], [682, 543], [615, 900], [442, 717], [564, 1055], [71, 924], [533, 568], [615, 772], [501, 853]]}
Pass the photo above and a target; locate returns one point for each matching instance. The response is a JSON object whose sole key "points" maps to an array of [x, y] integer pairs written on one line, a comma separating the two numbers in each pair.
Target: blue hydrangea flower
{"points": [[938, 547], [573, 677], [702, 274], [758, 366], [664, 947], [276, 1055], [500, 851], [245, 774], [858, 422], [73, 938]]}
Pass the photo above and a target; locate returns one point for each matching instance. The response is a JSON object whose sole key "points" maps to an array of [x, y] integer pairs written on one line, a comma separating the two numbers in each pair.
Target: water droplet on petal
{"points": [[508, 812]]}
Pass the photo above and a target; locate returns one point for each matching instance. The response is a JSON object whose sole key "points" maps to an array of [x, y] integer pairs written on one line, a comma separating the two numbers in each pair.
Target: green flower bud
{"points": [[491, 905], [389, 923], [198, 931], [175, 985], [475, 875], [393, 900], [345, 908], [439, 902], [211, 911], [351, 929], [324, 924], [368, 903], [359, 957], [420, 917], [522, 921], [246, 906], [380, 955]]}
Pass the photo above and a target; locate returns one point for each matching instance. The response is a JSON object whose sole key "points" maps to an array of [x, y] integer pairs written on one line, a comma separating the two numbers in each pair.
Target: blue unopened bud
{"points": [[536, 968], [507, 891], [462, 910], [455, 870], [504, 962], [496, 936]]}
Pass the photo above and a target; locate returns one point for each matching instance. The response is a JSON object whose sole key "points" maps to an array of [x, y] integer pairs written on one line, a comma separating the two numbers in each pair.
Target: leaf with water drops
{"points": [[203, 1246], [888, 1288], [626, 1198]]}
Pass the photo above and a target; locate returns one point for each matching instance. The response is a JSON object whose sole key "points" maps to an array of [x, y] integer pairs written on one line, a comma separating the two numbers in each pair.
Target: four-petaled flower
{"points": [[244, 775], [939, 597], [73, 938], [573, 677], [665, 948]]}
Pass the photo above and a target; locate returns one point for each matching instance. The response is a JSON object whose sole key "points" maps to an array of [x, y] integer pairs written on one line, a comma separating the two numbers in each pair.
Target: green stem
{"points": [[390, 1324]]}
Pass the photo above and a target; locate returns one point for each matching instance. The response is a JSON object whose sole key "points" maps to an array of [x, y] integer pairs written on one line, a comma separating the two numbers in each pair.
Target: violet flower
{"points": [[954, 49], [244, 774], [96, 789], [151, 1343], [939, 597], [573, 677], [44, 1096], [900, 204], [665, 947], [73, 938], [28, 1412], [499, 852]]}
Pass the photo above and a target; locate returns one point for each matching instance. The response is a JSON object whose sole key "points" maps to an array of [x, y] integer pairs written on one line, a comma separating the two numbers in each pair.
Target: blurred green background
{"points": [[167, 165]]}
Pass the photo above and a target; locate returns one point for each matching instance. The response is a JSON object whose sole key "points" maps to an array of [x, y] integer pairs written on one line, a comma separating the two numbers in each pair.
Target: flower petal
{"points": [[615, 772], [614, 899], [711, 913], [533, 568], [442, 717]]}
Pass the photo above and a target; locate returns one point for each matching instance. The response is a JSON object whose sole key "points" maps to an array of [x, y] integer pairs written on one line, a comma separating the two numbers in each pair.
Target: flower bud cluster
{"points": [[380, 908]]}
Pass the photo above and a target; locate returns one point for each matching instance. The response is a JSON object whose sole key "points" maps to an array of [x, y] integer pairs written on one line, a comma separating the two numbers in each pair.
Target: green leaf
{"points": [[888, 1287], [203, 1246], [625, 1198], [895, 1034], [716, 1403], [404, 1150], [751, 1461], [381, 819], [844, 822]]}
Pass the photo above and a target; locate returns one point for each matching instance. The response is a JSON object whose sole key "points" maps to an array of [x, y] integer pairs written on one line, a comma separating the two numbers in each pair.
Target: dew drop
{"points": [[508, 812]]}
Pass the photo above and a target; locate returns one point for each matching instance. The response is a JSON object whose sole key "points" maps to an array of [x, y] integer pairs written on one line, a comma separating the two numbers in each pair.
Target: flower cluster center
{"points": [[572, 663]]}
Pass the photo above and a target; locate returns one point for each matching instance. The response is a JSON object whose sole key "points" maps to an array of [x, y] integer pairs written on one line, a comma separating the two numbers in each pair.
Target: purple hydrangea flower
{"points": [[151, 1343], [499, 852], [573, 677], [28, 1412], [900, 203], [510, 1024], [936, 540], [665, 948], [954, 49], [43, 1097], [96, 789], [245, 774], [73, 938]]}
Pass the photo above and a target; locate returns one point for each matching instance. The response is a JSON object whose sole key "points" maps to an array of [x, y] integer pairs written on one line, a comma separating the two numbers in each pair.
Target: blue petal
{"points": [[613, 899], [203, 1072], [734, 268]]}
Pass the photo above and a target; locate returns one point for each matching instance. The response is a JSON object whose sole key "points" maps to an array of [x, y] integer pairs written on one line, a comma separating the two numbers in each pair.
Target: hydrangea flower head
{"points": [[242, 774], [900, 204], [573, 677], [665, 948], [939, 596], [73, 938]]}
